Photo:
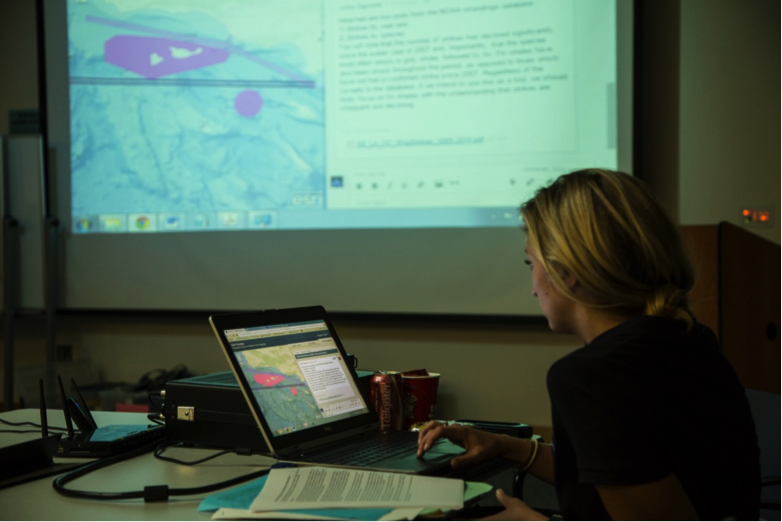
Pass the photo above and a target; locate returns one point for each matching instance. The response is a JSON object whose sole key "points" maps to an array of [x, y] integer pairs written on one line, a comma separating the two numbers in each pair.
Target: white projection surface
{"points": [[369, 156]]}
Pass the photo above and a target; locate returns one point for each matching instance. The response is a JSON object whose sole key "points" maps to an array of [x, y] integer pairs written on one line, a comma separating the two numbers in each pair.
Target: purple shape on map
{"points": [[248, 103], [156, 57]]}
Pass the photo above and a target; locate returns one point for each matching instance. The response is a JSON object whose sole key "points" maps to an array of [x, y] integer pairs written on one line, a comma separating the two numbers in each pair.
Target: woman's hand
{"points": [[479, 445], [515, 509]]}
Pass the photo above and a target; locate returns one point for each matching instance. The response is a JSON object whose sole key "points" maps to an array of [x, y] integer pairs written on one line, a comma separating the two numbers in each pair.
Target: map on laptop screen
{"points": [[297, 375]]}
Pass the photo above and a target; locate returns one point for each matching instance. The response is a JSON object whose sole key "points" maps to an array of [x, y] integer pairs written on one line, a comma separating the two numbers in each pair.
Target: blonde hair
{"points": [[609, 231]]}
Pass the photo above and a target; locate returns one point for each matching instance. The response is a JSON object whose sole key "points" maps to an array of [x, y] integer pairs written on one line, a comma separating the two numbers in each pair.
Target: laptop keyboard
{"points": [[369, 450]]}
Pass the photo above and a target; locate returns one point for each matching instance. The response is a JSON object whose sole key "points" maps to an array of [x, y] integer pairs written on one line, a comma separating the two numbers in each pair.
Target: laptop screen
{"points": [[297, 375]]}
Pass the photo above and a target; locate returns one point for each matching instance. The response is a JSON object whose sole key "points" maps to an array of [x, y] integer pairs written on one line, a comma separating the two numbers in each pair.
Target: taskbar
{"points": [[168, 222]]}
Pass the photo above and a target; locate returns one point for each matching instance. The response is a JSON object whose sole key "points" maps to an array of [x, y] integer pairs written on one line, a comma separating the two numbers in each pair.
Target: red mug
{"points": [[419, 398]]}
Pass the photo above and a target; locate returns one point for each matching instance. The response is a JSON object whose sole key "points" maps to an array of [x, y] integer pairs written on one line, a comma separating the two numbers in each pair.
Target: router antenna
{"points": [[68, 423], [84, 408], [44, 421]]}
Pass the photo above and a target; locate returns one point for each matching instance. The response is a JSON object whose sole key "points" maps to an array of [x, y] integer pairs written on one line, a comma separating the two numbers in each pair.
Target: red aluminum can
{"points": [[385, 392]]}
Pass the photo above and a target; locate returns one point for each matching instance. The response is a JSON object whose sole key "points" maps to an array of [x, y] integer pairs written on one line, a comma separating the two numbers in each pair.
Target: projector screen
{"points": [[367, 156]]}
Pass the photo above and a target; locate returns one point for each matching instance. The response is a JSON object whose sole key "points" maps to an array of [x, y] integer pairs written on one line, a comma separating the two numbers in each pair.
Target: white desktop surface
{"points": [[38, 500]]}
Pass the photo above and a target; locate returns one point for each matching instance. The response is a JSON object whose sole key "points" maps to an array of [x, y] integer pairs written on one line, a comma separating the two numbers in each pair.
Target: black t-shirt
{"points": [[647, 399]]}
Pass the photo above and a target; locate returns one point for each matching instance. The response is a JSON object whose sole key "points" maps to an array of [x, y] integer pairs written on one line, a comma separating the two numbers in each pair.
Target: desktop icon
{"points": [[171, 222], [262, 219], [142, 222], [232, 220], [112, 223], [200, 221], [83, 225]]}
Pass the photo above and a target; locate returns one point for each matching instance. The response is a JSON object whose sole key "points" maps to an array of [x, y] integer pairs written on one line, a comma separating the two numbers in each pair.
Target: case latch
{"points": [[185, 413]]}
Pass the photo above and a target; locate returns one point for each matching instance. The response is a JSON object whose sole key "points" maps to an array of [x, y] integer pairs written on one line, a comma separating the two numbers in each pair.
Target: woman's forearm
{"points": [[519, 451]]}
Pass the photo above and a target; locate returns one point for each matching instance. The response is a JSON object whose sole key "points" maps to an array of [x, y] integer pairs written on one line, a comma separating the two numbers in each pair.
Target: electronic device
{"points": [[306, 400], [93, 441], [27, 457], [210, 411], [32, 459]]}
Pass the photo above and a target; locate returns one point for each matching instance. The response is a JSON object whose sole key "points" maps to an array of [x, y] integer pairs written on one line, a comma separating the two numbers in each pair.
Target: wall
{"points": [[729, 111], [18, 59], [722, 154]]}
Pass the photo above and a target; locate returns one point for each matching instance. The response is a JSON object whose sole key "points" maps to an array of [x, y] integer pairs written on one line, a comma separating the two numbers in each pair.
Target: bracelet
{"points": [[533, 453]]}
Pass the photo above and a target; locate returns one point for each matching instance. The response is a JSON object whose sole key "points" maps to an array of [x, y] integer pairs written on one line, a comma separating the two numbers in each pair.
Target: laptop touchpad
{"points": [[445, 447]]}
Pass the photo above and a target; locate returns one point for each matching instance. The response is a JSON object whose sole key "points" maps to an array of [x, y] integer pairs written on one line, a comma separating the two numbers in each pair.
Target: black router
{"points": [[32, 459], [94, 442]]}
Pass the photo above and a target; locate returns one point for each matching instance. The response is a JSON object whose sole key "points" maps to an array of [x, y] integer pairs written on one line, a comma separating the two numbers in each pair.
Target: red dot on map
{"points": [[267, 379]]}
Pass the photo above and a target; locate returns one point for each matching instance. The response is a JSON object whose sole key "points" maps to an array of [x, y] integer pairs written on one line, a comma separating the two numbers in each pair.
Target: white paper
{"points": [[319, 487]]}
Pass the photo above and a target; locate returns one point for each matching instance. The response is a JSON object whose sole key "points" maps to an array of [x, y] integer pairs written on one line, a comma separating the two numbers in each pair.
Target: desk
{"points": [[38, 500]]}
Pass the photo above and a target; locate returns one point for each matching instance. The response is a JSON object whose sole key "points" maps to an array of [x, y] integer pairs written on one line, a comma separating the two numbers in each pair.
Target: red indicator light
{"points": [[752, 216]]}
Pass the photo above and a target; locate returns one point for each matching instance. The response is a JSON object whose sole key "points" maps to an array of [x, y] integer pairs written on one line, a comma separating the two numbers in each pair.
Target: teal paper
{"points": [[240, 497]]}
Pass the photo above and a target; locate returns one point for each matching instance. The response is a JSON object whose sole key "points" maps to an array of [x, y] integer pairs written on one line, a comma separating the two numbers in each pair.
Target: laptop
{"points": [[309, 407]]}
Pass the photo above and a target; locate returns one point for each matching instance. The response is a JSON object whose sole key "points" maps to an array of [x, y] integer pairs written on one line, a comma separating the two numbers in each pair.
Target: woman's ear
{"points": [[568, 278]]}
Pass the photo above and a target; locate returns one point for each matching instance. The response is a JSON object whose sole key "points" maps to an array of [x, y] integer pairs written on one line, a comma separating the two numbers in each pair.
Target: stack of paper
{"points": [[318, 493]]}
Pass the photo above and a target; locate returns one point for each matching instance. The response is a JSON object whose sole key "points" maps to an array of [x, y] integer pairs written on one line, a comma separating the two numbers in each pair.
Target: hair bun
{"points": [[669, 301]]}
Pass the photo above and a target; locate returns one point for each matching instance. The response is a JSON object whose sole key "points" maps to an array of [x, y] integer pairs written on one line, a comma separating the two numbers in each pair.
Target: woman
{"points": [[649, 419]]}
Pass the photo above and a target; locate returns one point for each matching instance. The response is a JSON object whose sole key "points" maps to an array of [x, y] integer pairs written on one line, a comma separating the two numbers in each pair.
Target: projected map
{"points": [[193, 115], [279, 386]]}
